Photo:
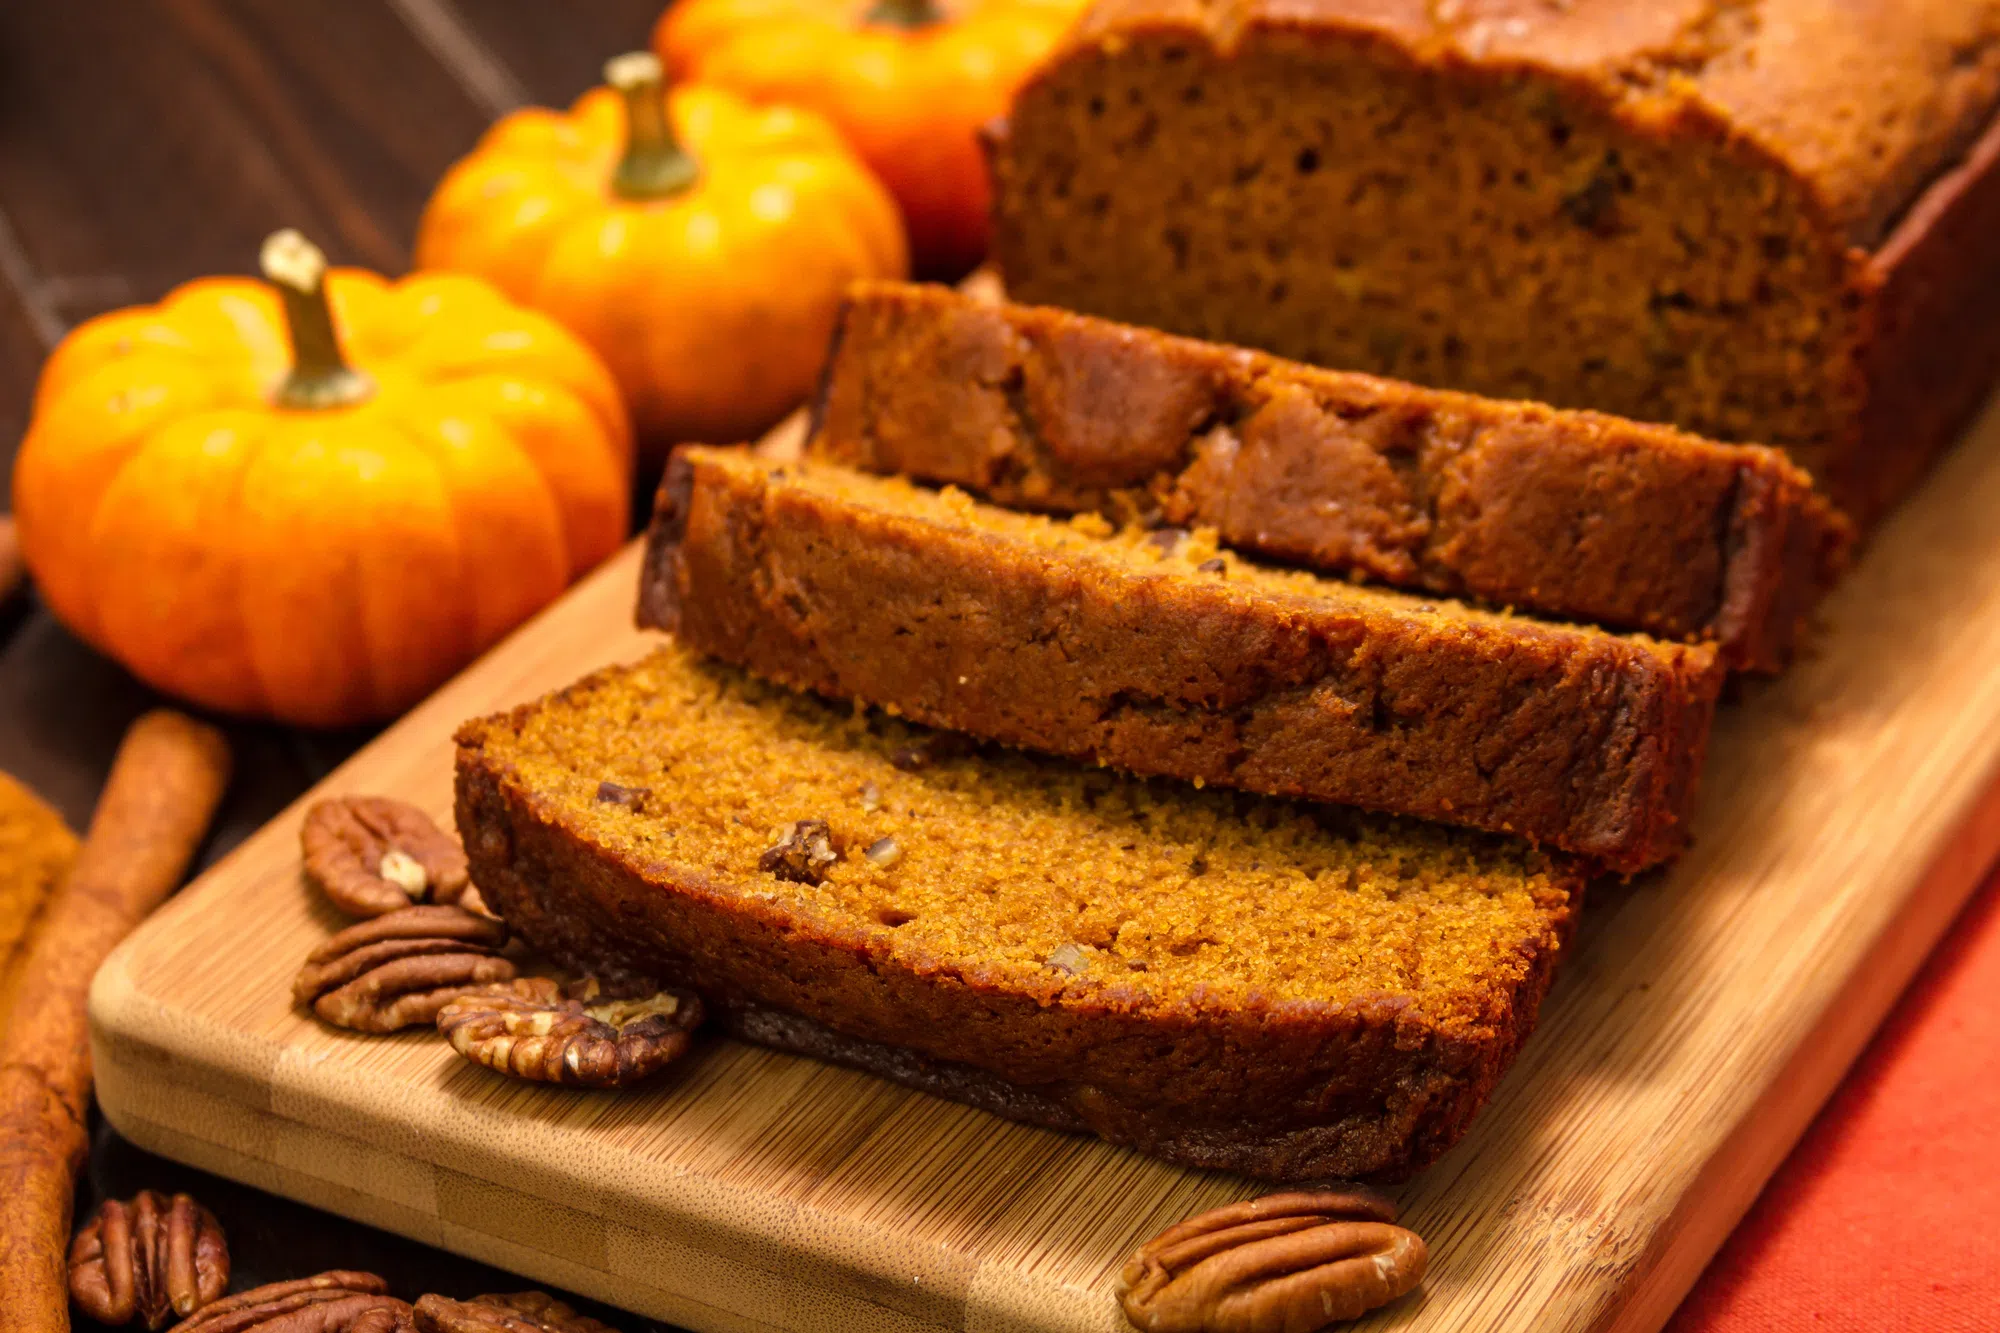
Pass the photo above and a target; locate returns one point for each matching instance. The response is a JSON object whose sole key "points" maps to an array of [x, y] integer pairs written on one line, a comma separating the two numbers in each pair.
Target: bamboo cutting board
{"points": [[1702, 1018]]}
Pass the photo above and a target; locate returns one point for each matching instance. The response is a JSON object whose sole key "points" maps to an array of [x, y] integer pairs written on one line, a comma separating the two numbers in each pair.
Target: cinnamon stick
{"points": [[12, 571], [163, 790]]}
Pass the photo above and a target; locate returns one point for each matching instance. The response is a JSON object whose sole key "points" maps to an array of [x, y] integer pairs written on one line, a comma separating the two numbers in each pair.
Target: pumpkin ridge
{"points": [[478, 499], [290, 617], [582, 469], [261, 700], [53, 553], [462, 611], [194, 650]]}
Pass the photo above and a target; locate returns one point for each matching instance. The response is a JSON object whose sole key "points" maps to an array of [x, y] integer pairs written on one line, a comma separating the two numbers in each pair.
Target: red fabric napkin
{"points": [[1887, 1214]]}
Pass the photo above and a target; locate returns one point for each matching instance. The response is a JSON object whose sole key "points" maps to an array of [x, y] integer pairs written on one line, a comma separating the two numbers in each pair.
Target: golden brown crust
{"points": [[1378, 1085], [1571, 514], [1930, 295], [1586, 741], [1862, 107]]}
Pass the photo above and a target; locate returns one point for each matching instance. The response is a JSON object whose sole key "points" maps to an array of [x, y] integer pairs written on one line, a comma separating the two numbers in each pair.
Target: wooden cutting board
{"points": [[1704, 1015]]}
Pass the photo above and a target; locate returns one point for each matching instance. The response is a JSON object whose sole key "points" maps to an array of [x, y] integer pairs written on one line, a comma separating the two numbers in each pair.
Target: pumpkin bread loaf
{"points": [[1570, 514], [1155, 653], [1760, 221], [1219, 979]]}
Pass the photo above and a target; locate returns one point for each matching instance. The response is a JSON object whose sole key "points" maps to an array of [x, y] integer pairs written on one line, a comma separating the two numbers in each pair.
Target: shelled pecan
{"points": [[632, 798], [400, 969], [1295, 1262], [522, 1312], [150, 1259], [372, 855], [801, 852], [332, 1302], [532, 1031]]}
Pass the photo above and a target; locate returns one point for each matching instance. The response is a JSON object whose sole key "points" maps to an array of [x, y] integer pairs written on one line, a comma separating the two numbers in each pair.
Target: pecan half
{"points": [[1295, 1262], [334, 1302], [802, 852], [541, 1036], [372, 855], [632, 798], [523, 1312], [400, 969], [152, 1259]]}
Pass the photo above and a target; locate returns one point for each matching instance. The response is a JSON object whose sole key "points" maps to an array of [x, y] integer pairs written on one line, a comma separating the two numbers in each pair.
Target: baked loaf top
{"points": [[1863, 106], [1572, 514], [1224, 979], [1761, 220], [1155, 652]]}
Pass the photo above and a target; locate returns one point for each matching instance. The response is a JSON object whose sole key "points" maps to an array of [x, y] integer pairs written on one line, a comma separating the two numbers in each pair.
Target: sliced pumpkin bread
{"points": [[1570, 514], [1219, 979], [1155, 652]]}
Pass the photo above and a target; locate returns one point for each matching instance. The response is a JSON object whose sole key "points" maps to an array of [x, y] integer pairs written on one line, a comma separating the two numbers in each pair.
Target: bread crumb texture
{"points": [[1067, 882], [1091, 539]]}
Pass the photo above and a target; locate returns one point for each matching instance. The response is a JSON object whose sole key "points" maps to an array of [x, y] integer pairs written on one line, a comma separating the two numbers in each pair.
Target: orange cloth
{"points": [[1887, 1214]]}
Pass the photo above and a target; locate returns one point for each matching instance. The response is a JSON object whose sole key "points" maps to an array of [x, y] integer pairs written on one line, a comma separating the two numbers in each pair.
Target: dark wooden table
{"points": [[147, 142]]}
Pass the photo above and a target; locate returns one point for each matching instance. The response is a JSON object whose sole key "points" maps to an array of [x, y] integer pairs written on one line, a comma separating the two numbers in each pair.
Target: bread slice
{"points": [[1219, 979], [1154, 653], [1569, 514]]}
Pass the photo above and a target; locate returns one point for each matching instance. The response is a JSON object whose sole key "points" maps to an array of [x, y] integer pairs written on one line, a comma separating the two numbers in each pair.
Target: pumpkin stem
{"points": [[320, 376], [654, 166], [911, 14]]}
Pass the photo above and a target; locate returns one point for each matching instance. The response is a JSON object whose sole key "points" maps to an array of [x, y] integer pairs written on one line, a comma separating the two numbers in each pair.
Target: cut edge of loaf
{"points": [[1179, 661], [1573, 514]]}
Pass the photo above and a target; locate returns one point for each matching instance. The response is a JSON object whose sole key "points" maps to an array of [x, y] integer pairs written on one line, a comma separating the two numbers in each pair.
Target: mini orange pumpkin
{"points": [[701, 245], [210, 493], [910, 82]]}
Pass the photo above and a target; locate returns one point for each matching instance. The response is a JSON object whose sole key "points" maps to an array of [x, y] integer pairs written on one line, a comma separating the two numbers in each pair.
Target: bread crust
{"points": [[1586, 741], [1881, 120], [1757, 76], [1287, 1090], [1930, 298], [1577, 515]]}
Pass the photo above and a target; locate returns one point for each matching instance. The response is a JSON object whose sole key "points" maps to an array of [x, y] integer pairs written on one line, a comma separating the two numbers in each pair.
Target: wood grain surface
{"points": [[1848, 809]]}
